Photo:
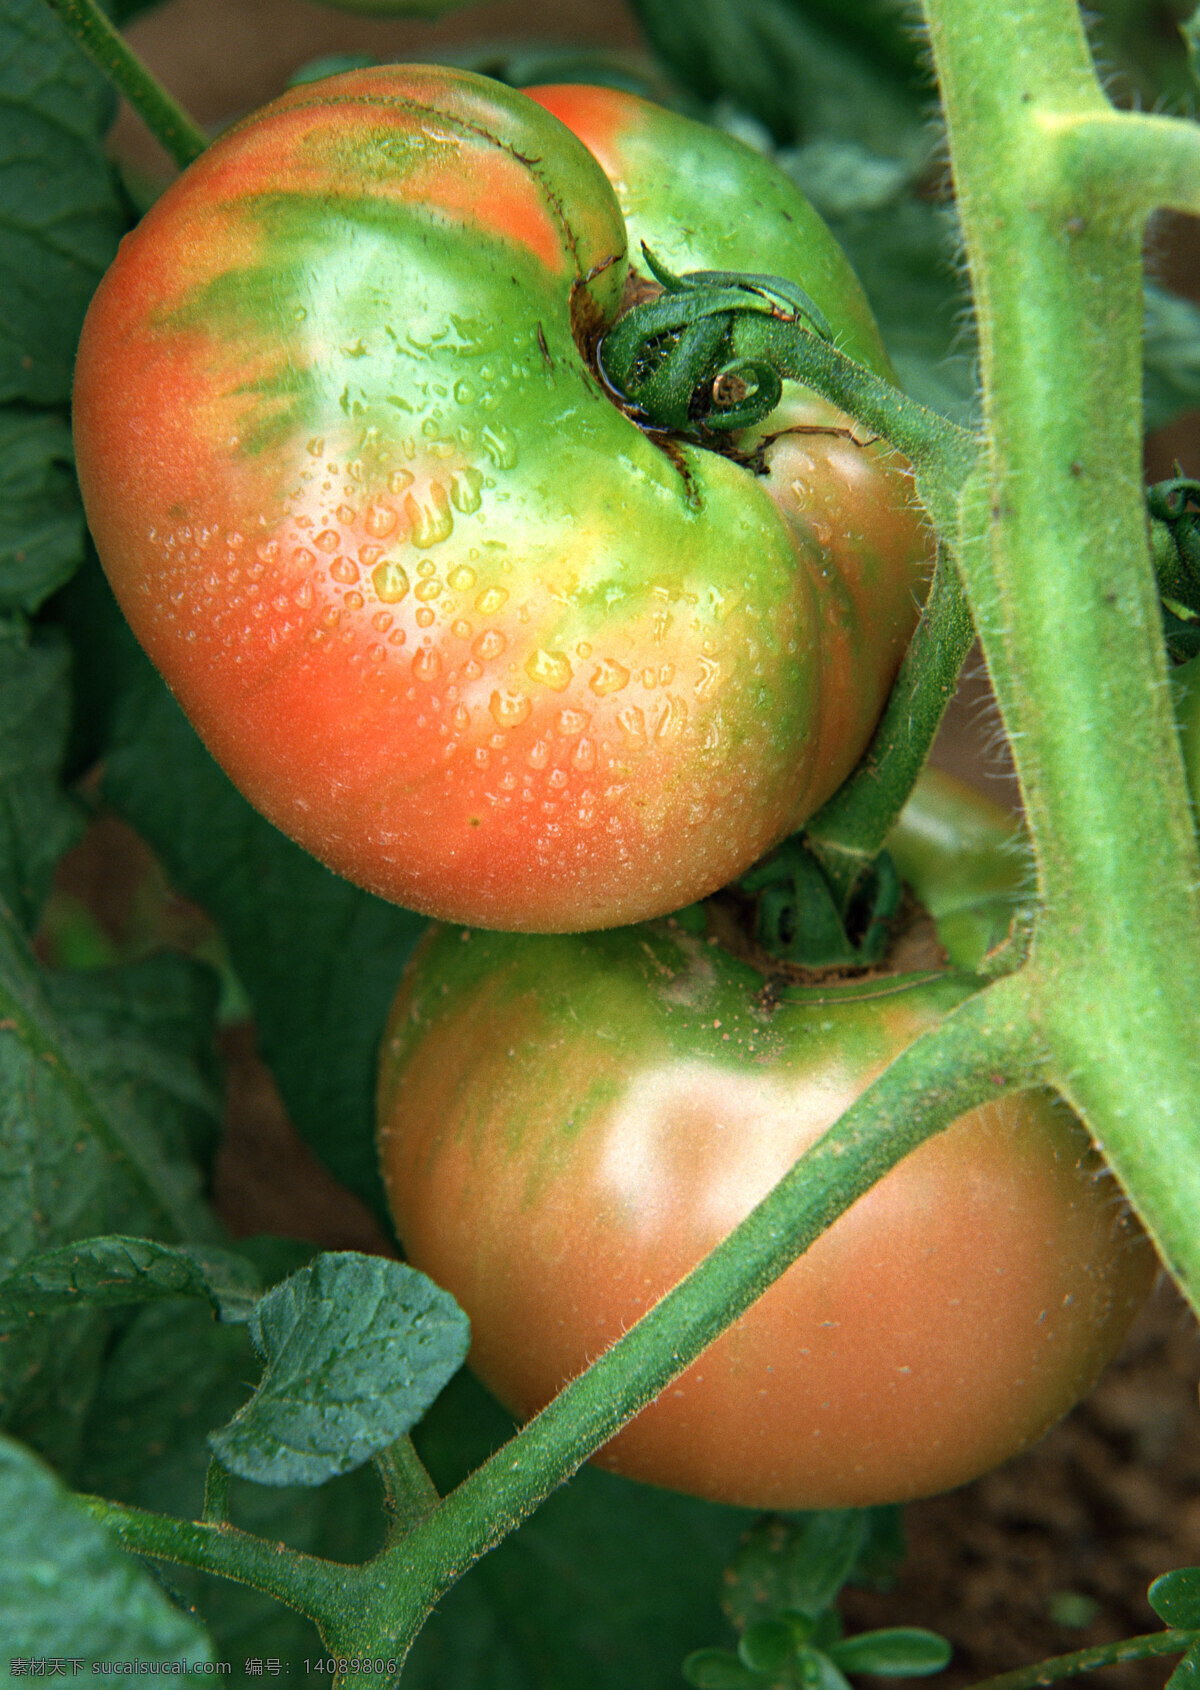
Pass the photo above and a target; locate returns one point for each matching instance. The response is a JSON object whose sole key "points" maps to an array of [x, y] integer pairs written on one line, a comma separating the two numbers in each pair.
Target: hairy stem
{"points": [[1089, 1660], [848, 833], [106, 47], [1054, 553]]}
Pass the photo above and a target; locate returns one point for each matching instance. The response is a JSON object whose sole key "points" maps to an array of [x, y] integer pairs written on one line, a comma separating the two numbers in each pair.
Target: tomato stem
{"points": [[1058, 1667], [107, 48]]}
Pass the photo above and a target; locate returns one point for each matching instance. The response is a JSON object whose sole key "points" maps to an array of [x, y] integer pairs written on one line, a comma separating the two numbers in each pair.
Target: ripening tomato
{"points": [[568, 1124], [440, 608]]}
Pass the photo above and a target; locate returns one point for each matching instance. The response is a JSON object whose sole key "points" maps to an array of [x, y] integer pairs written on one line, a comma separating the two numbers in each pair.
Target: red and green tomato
{"points": [[441, 609], [569, 1124]]}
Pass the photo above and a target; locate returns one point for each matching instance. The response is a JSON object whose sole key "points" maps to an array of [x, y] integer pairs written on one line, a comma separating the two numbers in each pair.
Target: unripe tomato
{"points": [[569, 1124], [439, 607]]}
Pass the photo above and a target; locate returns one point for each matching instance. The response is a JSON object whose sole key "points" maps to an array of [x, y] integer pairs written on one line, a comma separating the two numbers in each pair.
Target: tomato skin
{"points": [[568, 1124], [438, 607]]}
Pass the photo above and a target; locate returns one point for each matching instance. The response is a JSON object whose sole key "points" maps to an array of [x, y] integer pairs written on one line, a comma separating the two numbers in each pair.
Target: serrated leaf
{"points": [[320, 959], [60, 211], [898, 1652], [1175, 1597], [67, 1589], [41, 517], [798, 1564], [172, 1375], [717, 1669], [38, 820], [356, 1347], [113, 1271]]}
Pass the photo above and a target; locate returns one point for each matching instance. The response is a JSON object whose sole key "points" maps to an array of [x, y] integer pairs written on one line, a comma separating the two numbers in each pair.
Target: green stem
{"points": [[985, 1047], [216, 1494], [848, 833], [409, 1493], [312, 1586], [1089, 1660], [106, 47], [1054, 553]]}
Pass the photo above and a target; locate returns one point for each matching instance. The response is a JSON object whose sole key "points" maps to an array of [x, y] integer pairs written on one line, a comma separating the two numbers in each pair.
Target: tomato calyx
{"points": [[1174, 507], [672, 358], [799, 919]]}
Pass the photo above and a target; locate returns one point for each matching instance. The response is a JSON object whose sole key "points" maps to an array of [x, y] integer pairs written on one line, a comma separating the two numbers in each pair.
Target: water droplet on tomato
{"points": [[353, 601], [466, 490], [462, 718], [461, 578], [610, 676], [379, 521], [328, 540], [303, 596], [490, 600], [490, 644], [583, 755], [539, 754], [390, 581], [381, 621], [550, 668], [509, 709], [426, 665], [430, 517], [425, 617], [345, 570], [427, 590], [401, 478], [316, 446], [500, 446]]}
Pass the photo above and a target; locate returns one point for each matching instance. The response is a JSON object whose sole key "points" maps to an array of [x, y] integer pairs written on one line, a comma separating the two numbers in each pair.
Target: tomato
{"points": [[568, 1124], [440, 608]]}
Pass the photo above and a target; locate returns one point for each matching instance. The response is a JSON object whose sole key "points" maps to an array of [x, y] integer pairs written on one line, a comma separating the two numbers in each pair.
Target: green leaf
{"points": [[356, 1347], [768, 1647], [717, 1669], [60, 210], [107, 1095], [797, 1564], [68, 1590], [1190, 30], [1175, 1598], [798, 68], [320, 959], [1187, 1674], [38, 820], [41, 518], [172, 1375], [899, 1652], [109, 1272]]}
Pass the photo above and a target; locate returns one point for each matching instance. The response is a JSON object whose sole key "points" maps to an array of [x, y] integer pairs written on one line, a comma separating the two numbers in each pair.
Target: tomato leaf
{"points": [[1175, 1598], [767, 1647], [63, 214], [898, 1652], [68, 1590], [41, 518], [356, 1347], [1187, 1674], [113, 1271], [38, 820], [717, 1669]]}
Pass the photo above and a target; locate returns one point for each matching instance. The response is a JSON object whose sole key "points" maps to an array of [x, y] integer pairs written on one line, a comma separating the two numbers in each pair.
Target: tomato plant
{"points": [[444, 612], [569, 1124]]}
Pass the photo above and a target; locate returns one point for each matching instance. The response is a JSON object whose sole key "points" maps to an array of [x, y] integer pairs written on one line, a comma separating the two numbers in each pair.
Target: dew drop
{"points": [[557, 778], [377, 653], [490, 600], [464, 391], [379, 521], [400, 479], [329, 539], [353, 601], [303, 558], [610, 676], [461, 578], [500, 446], [396, 637], [345, 570], [425, 617], [427, 590], [303, 596], [539, 754], [346, 514], [489, 645], [390, 581], [462, 718], [482, 756], [316, 447], [509, 709], [381, 621], [431, 519], [466, 490], [369, 556], [632, 722], [583, 755], [571, 722], [268, 550], [461, 630], [672, 721], [584, 650], [426, 665], [550, 668]]}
